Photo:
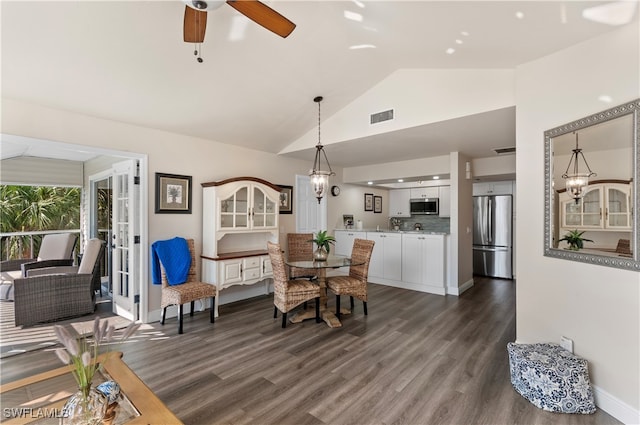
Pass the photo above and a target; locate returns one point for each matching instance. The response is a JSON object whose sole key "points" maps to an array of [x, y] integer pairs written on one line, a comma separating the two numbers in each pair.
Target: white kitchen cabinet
{"points": [[386, 258], [344, 241], [444, 194], [493, 188], [604, 206], [399, 203], [423, 261], [239, 217], [423, 192]]}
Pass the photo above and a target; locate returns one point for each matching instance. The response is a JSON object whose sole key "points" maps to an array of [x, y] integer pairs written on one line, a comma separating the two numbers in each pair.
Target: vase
{"points": [[86, 407], [320, 254]]}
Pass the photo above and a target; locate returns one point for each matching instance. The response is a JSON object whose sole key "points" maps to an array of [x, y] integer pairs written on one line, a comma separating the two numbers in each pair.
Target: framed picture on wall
{"points": [[368, 201], [286, 199], [173, 194], [377, 204]]}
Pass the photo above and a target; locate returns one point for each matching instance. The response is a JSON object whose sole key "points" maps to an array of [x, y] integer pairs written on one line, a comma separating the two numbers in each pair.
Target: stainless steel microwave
{"points": [[425, 206]]}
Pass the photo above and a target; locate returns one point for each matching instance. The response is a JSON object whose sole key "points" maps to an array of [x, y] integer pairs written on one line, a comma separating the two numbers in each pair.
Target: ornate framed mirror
{"points": [[603, 213]]}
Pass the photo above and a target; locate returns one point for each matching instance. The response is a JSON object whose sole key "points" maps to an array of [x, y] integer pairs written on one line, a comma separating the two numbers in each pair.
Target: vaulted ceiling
{"points": [[126, 61]]}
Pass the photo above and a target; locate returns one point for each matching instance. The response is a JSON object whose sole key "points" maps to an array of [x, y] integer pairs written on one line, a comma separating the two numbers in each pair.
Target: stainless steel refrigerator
{"points": [[492, 230]]}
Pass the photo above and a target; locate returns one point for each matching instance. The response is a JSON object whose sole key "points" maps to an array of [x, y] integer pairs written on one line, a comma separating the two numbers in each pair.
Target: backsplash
{"points": [[429, 223]]}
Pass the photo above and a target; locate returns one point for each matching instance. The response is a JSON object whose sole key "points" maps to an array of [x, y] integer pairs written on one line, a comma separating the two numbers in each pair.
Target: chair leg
{"points": [[284, 320], [275, 312], [352, 305], [338, 306], [193, 303], [180, 319], [364, 305], [164, 312], [212, 319], [318, 310]]}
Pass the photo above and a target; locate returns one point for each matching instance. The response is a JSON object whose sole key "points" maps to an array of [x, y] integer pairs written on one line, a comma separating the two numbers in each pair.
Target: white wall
{"points": [[167, 152], [418, 97], [598, 307]]}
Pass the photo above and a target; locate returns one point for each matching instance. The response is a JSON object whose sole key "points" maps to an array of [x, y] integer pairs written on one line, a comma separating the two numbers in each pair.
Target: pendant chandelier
{"points": [[320, 177], [576, 181]]}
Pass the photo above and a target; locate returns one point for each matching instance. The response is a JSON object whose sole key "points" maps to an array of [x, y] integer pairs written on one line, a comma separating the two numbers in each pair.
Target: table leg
{"points": [[327, 315]]}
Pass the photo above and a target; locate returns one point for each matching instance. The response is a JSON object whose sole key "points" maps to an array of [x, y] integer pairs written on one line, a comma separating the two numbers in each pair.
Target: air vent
{"points": [[504, 151], [382, 116]]}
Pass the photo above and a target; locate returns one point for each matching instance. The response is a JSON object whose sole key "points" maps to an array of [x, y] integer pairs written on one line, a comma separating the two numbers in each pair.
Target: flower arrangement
{"points": [[82, 353]]}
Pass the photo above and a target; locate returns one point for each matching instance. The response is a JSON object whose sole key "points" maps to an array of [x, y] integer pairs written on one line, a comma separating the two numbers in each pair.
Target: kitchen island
{"points": [[413, 260]]}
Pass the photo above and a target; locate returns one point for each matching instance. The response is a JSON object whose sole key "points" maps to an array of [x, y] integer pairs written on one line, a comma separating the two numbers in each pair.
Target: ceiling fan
{"points": [[195, 17]]}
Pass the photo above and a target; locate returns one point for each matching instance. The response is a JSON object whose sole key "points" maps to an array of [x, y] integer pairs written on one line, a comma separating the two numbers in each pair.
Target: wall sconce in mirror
{"points": [[603, 210]]}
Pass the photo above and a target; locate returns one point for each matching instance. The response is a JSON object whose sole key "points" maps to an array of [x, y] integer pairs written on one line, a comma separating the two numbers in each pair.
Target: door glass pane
{"points": [[226, 220], [270, 220], [591, 201], [618, 220], [258, 201], [591, 220], [258, 220], [617, 201], [271, 206], [241, 200], [572, 220], [241, 220]]}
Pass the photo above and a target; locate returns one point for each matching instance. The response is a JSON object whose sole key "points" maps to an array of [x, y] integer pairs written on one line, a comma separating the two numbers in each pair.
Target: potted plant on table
{"points": [[323, 242], [575, 240]]}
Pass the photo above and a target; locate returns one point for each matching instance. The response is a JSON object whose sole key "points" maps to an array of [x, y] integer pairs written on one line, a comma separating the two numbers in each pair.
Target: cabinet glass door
{"points": [[617, 213], [264, 209], [592, 209], [234, 210]]}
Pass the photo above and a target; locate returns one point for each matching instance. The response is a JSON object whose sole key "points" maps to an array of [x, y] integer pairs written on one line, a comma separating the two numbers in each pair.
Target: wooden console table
{"points": [[39, 399]]}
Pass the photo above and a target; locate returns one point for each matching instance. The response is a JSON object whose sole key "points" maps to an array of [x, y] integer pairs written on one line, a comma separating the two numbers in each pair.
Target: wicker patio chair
{"points": [[300, 248], [56, 249], [355, 284], [288, 293], [54, 293], [187, 292]]}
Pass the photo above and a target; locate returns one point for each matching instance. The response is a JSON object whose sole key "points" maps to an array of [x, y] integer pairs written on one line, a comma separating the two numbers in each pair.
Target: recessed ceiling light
{"points": [[458, 41], [369, 182], [604, 98], [400, 180], [436, 177], [353, 16], [362, 46], [358, 3], [450, 51], [466, 34], [519, 15]]}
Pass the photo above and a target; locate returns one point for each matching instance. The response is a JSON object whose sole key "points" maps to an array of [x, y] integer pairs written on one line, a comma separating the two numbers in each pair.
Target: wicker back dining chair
{"points": [[186, 292], [300, 248], [289, 293], [355, 284]]}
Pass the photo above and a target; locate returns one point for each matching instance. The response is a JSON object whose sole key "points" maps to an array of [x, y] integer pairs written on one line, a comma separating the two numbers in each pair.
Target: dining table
{"points": [[320, 270]]}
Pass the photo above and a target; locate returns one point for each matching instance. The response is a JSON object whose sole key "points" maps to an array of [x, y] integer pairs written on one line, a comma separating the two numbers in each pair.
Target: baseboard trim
{"points": [[616, 407], [457, 290]]}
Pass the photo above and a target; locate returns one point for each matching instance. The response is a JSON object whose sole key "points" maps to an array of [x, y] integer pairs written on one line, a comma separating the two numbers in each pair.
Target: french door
{"points": [[125, 239]]}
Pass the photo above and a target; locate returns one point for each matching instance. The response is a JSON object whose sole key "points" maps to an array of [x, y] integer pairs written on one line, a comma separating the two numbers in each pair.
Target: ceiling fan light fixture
{"points": [[204, 5]]}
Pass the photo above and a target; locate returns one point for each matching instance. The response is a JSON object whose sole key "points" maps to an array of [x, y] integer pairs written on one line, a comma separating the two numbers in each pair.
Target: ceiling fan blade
{"points": [[195, 24], [262, 14]]}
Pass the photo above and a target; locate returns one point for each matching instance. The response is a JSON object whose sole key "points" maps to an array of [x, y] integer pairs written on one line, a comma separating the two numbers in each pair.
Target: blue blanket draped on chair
{"points": [[175, 257]]}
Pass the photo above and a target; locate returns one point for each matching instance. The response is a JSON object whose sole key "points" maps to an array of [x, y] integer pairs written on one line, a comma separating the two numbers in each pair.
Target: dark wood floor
{"points": [[415, 359]]}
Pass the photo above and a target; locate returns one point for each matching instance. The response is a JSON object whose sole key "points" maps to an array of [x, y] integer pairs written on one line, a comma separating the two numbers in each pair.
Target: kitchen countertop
{"points": [[424, 232]]}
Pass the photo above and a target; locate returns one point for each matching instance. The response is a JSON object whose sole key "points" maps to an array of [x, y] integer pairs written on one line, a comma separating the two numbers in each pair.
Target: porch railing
{"points": [[19, 245]]}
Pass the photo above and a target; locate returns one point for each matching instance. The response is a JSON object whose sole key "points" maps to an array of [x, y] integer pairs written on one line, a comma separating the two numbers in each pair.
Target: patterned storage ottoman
{"points": [[551, 377]]}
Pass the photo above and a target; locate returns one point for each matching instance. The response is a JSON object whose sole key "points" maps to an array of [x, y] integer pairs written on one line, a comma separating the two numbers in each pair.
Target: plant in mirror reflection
{"points": [[575, 240]]}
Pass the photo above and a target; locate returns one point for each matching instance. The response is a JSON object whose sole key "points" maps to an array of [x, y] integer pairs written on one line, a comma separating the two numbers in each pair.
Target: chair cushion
{"points": [[347, 285], [90, 256], [6, 283], [186, 292], [57, 246]]}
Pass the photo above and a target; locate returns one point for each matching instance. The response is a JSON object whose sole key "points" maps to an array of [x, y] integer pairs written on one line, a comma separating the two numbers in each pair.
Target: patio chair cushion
{"points": [[57, 245], [6, 283]]}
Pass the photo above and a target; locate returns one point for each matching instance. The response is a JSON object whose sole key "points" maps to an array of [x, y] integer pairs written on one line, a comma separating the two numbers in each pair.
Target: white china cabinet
{"points": [[239, 216]]}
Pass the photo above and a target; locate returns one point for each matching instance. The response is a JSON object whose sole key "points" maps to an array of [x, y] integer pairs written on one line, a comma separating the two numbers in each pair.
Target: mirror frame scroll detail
{"points": [[633, 108]]}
